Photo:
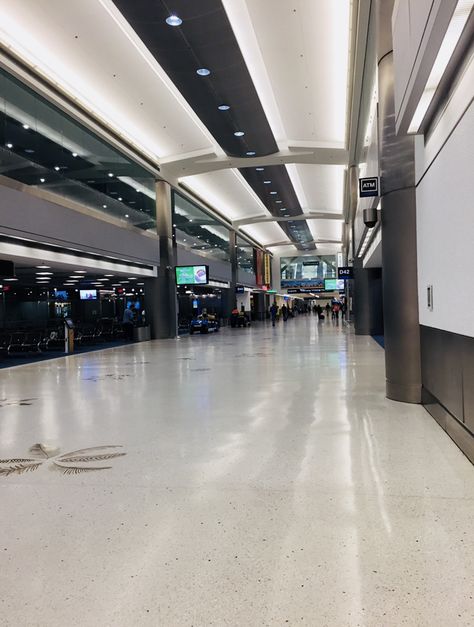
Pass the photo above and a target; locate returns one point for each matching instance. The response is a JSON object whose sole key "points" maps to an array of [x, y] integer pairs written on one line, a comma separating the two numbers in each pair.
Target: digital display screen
{"points": [[60, 295], [192, 275], [333, 285], [88, 294], [135, 304]]}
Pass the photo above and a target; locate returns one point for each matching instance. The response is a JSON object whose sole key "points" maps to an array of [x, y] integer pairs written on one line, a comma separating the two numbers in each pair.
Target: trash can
{"points": [[142, 334]]}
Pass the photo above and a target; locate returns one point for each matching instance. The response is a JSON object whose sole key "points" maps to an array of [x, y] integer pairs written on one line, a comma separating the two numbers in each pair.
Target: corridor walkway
{"points": [[259, 477]]}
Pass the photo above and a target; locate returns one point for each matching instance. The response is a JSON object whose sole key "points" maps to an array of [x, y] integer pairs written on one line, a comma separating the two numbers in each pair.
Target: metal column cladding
{"points": [[399, 256], [205, 40], [160, 293]]}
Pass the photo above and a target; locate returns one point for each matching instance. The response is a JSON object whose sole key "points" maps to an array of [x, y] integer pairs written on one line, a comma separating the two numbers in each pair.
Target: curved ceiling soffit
{"points": [[205, 39]]}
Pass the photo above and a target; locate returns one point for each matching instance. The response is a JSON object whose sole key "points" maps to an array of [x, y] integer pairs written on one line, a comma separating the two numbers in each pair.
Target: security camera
{"points": [[370, 217]]}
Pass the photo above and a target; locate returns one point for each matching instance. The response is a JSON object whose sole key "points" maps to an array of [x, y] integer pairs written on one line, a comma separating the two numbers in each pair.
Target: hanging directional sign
{"points": [[345, 272], [369, 187]]}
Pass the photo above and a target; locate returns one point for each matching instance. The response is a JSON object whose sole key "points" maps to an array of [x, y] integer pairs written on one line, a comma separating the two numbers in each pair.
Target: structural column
{"points": [[232, 299], [160, 293], [399, 256]]}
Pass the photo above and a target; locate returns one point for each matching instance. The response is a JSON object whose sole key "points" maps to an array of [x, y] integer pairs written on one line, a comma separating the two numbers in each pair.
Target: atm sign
{"points": [[369, 187]]}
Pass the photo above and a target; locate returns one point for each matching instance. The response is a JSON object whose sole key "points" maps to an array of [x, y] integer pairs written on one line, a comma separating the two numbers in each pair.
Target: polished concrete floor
{"points": [[253, 477]]}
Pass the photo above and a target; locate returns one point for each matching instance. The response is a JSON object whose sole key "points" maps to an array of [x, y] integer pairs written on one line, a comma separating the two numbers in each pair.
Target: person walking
{"points": [[284, 313], [128, 321], [273, 313]]}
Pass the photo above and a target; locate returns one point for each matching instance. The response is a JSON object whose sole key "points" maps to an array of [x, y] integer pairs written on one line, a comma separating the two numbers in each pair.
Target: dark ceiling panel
{"points": [[284, 202], [205, 39]]}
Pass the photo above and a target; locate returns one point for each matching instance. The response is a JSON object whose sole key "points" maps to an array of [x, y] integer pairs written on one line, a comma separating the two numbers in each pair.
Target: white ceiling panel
{"points": [[303, 45], [322, 187], [326, 229], [87, 48], [228, 193], [266, 233]]}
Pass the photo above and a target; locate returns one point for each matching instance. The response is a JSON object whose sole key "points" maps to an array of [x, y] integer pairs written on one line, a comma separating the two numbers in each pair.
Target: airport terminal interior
{"points": [[236, 313]]}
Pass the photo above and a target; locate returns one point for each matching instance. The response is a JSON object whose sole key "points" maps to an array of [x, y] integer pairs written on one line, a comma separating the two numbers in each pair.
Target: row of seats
{"points": [[52, 339]]}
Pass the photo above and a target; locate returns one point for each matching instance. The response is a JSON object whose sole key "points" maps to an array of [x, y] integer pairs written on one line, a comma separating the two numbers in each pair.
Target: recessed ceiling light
{"points": [[44, 273], [267, 182], [104, 206], [42, 181], [203, 71], [26, 126], [109, 275], [45, 267], [132, 278], [9, 145], [278, 201], [120, 198], [250, 153], [126, 215], [287, 215], [29, 151], [260, 169], [273, 193], [174, 20], [57, 168], [80, 271], [223, 107], [74, 154], [12, 279], [111, 174], [239, 133]]}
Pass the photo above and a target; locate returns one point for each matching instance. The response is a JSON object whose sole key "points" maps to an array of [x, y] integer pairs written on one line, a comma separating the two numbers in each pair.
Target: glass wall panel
{"points": [[303, 271], [198, 231], [245, 256], [42, 146]]}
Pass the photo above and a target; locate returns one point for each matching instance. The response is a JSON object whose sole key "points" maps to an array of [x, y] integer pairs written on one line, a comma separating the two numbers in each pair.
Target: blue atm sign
{"points": [[369, 187]]}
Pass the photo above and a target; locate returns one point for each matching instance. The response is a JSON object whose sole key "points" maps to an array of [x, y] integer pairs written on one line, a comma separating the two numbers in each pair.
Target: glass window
{"points": [[245, 256], [42, 146], [305, 270], [197, 230]]}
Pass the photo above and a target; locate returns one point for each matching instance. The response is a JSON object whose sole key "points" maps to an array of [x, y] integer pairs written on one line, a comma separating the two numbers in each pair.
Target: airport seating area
{"points": [[38, 341]]}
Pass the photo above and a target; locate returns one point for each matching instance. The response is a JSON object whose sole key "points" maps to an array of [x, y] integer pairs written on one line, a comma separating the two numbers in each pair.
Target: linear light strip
{"points": [[450, 41]]}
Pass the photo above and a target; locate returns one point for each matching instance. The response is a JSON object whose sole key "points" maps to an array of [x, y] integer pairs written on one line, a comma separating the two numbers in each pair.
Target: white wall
{"points": [[445, 227]]}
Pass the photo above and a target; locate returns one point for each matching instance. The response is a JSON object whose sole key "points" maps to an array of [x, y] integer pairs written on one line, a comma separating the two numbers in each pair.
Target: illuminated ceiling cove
{"points": [[223, 94]]}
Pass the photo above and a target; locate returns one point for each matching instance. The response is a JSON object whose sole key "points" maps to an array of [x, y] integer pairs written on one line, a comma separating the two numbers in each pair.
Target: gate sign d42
{"points": [[369, 187], [345, 272]]}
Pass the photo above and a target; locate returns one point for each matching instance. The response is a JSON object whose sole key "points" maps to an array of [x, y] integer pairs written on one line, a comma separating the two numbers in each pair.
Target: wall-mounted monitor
{"points": [[60, 295], [333, 285], [192, 275], [88, 294]]}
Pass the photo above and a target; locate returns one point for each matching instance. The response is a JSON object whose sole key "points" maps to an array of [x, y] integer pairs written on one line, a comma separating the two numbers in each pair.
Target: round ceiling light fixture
{"points": [[174, 20], [260, 169], [273, 193], [223, 107], [203, 71], [267, 182], [239, 133], [9, 145], [250, 153]]}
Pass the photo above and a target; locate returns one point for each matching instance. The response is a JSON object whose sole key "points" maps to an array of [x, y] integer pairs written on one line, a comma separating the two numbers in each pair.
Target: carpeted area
{"points": [[30, 358]]}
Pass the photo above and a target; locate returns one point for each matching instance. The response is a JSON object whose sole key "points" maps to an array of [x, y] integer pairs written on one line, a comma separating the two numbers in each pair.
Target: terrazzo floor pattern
{"points": [[266, 481]]}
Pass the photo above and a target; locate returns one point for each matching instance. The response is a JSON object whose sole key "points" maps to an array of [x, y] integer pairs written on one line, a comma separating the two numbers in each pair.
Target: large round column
{"points": [[399, 256], [160, 293]]}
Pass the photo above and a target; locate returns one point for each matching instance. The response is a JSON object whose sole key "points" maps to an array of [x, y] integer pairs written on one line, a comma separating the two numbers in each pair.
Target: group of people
{"points": [[335, 308]]}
